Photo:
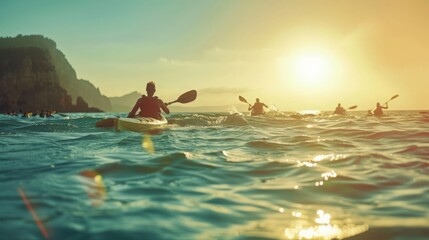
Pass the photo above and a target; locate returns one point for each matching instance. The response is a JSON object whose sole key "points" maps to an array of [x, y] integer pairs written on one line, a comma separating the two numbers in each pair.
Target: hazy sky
{"points": [[295, 55]]}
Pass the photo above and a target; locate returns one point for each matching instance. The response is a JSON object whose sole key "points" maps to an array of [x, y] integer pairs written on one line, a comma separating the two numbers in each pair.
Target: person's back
{"points": [[257, 108], [150, 106], [379, 110], [339, 110]]}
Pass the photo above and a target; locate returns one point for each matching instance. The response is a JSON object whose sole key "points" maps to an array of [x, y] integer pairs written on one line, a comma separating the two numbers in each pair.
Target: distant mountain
{"points": [[124, 103], [65, 74]]}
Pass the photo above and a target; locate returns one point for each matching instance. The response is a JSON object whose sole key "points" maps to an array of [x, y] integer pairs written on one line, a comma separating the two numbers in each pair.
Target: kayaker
{"points": [[379, 109], [150, 105], [257, 108], [339, 109]]}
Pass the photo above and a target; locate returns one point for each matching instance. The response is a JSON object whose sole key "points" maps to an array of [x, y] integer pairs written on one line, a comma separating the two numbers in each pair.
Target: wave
{"points": [[394, 232], [417, 150], [218, 175], [151, 165], [269, 145]]}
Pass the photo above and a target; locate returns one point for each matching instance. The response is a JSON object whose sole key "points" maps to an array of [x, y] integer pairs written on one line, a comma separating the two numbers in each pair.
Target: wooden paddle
{"points": [[353, 107], [184, 98], [242, 99], [397, 95], [109, 122]]}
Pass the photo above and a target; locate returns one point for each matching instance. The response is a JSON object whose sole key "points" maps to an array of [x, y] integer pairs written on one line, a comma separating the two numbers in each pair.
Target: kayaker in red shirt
{"points": [[150, 105]]}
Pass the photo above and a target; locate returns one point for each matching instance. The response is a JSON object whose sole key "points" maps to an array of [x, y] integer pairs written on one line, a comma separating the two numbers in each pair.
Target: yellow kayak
{"points": [[139, 124]]}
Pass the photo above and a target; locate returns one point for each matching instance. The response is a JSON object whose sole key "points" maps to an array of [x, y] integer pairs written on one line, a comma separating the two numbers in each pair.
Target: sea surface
{"points": [[216, 176]]}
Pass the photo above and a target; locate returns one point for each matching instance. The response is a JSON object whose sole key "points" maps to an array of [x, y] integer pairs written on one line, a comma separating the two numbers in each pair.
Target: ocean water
{"points": [[217, 176]]}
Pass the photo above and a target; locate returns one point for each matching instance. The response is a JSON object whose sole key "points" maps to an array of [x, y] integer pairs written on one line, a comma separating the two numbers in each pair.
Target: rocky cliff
{"points": [[29, 81], [65, 74]]}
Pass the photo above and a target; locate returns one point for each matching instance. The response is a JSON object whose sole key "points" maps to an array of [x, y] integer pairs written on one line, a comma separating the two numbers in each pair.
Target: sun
{"points": [[311, 68]]}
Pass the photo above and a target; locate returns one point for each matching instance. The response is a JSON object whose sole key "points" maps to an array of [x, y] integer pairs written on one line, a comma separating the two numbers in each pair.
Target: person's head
{"points": [[150, 88], [378, 104], [339, 104], [257, 100]]}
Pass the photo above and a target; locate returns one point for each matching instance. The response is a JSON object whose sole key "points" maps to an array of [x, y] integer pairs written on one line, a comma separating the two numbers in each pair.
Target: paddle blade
{"points": [[397, 95], [110, 122], [242, 99], [353, 107], [187, 97]]}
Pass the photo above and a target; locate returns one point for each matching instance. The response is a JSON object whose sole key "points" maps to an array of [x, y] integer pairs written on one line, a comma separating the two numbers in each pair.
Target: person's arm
{"points": [[265, 105], [164, 107], [134, 110], [387, 106], [250, 107]]}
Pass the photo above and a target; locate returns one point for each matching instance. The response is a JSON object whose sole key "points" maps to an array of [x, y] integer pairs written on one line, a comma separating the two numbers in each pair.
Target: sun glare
{"points": [[308, 69], [311, 68]]}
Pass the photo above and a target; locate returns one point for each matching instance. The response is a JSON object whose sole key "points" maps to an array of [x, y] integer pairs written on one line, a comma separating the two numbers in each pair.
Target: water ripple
{"points": [[218, 176]]}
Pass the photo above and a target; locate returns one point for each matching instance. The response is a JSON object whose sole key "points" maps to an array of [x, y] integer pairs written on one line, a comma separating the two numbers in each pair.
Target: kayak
{"points": [[139, 124]]}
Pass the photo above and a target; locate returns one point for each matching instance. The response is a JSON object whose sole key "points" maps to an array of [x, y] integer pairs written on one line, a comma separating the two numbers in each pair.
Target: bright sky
{"points": [[292, 54]]}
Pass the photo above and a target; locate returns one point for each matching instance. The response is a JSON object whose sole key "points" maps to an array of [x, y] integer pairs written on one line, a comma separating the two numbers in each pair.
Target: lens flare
{"points": [[96, 190], [33, 213], [147, 144]]}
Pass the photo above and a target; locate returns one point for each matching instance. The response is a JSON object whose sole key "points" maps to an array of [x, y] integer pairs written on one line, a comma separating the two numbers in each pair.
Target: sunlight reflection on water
{"points": [[147, 144], [323, 228], [95, 187], [329, 157]]}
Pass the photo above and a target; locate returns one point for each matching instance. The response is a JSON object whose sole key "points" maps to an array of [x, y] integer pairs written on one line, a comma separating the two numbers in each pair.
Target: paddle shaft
{"points": [[385, 104], [391, 99]]}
